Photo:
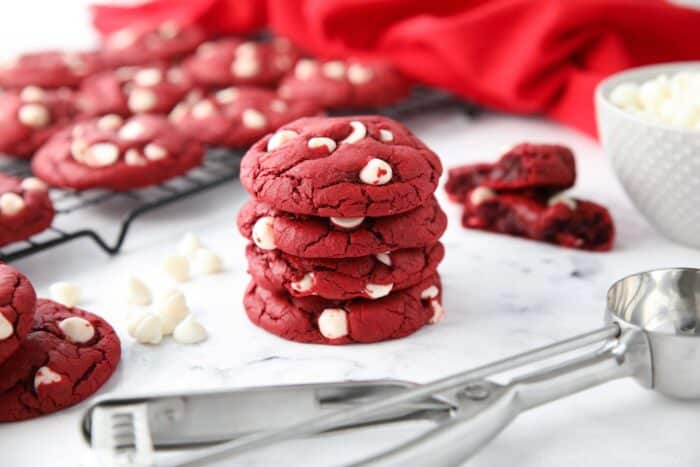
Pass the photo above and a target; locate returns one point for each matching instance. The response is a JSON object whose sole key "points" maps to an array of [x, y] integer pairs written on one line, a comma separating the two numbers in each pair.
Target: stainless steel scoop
{"points": [[651, 334]]}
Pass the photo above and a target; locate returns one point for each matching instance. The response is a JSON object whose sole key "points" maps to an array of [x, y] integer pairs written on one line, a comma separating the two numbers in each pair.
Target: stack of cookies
{"points": [[344, 231]]}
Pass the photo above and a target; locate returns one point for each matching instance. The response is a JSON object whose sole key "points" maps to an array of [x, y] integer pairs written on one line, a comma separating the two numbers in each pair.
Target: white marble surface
{"points": [[502, 296]]}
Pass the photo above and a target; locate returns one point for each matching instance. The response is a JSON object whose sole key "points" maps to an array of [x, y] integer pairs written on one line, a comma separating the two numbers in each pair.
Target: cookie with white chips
{"points": [[68, 355], [345, 84], [17, 307], [25, 208], [49, 69], [134, 90], [341, 167], [236, 117], [233, 62], [115, 153]]}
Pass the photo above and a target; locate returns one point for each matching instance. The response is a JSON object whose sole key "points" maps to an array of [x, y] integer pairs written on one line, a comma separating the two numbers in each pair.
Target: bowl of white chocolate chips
{"points": [[649, 125]]}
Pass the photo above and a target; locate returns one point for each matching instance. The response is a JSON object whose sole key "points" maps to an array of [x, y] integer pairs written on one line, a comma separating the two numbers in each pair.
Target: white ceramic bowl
{"points": [[658, 165]]}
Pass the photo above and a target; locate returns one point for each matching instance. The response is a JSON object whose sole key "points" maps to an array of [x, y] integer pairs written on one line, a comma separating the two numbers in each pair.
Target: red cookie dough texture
{"points": [[49, 69], [343, 167], [17, 306], [136, 45], [341, 279], [30, 116], [134, 90], [232, 62], [236, 117], [545, 168], [317, 237], [560, 220], [25, 208], [345, 84], [112, 153], [68, 355], [321, 321]]}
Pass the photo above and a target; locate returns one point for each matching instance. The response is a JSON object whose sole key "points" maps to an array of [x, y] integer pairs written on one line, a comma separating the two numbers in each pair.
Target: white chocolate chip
{"points": [[77, 330], [11, 204], [359, 131], [33, 184], [305, 284], [228, 95], [78, 149], [34, 115], [386, 135], [178, 112], [206, 261], [133, 157], [334, 69], [347, 222], [188, 245], [438, 312], [253, 119], [6, 328], [626, 96], [142, 100], [110, 122], [190, 331], [321, 141], [125, 73], [481, 194], [245, 66], [75, 63], [305, 68], [278, 139], [247, 49], [169, 29], [137, 292], [375, 291], [358, 74], [177, 268], [148, 77], [171, 309], [66, 293], [562, 199], [44, 376], [430, 292], [264, 234], [121, 39], [101, 155], [132, 130], [384, 258], [202, 109], [333, 323], [278, 105], [146, 328], [206, 48], [32, 94], [155, 152], [376, 172]]}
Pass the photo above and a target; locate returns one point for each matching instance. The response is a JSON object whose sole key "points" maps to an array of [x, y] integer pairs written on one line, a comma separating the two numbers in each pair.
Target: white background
{"points": [[502, 296]]}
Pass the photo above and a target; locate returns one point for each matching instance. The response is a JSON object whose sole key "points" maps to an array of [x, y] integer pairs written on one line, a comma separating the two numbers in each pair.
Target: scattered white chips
{"points": [[171, 309], [177, 268], [190, 331], [206, 261], [146, 328], [137, 292], [66, 293]]}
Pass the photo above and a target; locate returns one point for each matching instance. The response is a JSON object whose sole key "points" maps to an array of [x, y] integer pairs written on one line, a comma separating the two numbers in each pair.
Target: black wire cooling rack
{"points": [[219, 167]]}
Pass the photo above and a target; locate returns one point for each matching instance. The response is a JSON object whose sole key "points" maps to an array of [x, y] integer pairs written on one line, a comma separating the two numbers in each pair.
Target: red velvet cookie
{"points": [[234, 62], [25, 208], [346, 166], [237, 117], [318, 237], [68, 355], [563, 221], [49, 69], [17, 306], [546, 168], [136, 45], [339, 84], [112, 153], [320, 321], [30, 116], [342, 279], [134, 90]]}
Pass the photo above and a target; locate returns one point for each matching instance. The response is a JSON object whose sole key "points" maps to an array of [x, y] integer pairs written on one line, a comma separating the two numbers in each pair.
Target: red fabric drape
{"points": [[525, 56]]}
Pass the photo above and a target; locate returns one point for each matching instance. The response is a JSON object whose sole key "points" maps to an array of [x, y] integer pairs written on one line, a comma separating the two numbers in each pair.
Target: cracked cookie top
{"points": [[68, 355], [17, 301], [25, 208], [343, 167]]}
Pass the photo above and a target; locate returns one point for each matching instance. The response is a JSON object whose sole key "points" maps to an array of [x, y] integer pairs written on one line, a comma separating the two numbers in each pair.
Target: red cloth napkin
{"points": [[524, 56]]}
